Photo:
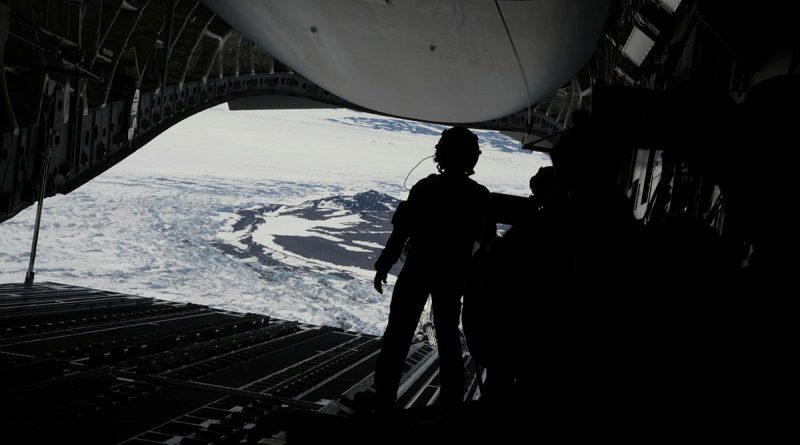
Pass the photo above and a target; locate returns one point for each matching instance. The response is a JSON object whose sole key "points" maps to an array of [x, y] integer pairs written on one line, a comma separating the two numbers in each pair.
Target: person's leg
{"points": [[408, 301], [446, 313]]}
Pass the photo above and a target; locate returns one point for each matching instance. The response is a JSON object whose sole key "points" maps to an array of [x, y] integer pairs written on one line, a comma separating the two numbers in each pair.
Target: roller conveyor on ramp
{"points": [[90, 366]]}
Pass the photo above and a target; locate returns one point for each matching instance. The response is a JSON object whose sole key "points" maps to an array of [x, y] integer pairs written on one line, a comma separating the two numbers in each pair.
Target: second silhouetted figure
{"points": [[438, 226]]}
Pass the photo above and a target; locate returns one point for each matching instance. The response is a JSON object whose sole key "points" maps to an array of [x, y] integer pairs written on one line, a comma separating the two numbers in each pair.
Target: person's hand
{"points": [[379, 277]]}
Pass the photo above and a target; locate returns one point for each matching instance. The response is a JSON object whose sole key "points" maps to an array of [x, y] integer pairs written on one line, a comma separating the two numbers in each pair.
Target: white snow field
{"points": [[168, 222]]}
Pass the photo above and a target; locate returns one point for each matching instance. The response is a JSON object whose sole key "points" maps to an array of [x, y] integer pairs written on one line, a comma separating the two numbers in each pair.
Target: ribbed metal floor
{"points": [[103, 367]]}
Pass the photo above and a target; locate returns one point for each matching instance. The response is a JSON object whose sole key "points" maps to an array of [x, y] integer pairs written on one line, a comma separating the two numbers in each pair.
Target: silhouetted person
{"points": [[497, 307], [542, 185], [750, 152], [438, 227], [563, 278]]}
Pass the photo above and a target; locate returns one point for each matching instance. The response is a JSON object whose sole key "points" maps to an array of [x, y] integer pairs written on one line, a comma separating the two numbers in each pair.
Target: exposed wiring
{"points": [[56, 51], [36, 28], [722, 41], [415, 167]]}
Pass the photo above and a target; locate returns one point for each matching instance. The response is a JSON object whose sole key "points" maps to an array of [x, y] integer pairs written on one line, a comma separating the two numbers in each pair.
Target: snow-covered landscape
{"points": [[274, 212]]}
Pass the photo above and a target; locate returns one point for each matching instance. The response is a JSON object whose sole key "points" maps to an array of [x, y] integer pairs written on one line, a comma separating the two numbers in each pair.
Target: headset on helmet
{"points": [[457, 150]]}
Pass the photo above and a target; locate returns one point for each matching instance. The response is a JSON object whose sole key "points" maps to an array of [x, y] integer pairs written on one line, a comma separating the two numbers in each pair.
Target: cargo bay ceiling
{"points": [[85, 83]]}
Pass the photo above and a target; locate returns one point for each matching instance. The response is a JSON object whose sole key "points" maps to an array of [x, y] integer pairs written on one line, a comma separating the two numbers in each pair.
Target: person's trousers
{"points": [[408, 300]]}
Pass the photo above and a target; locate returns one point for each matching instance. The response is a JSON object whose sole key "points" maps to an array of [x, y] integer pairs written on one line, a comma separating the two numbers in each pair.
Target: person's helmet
{"points": [[457, 151], [544, 182]]}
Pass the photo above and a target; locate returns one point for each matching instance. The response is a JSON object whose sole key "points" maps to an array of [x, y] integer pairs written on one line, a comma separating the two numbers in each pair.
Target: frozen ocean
{"points": [[274, 212]]}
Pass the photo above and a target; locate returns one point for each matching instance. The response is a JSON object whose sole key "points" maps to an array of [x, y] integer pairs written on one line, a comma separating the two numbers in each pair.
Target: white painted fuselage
{"points": [[436, 60]]}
